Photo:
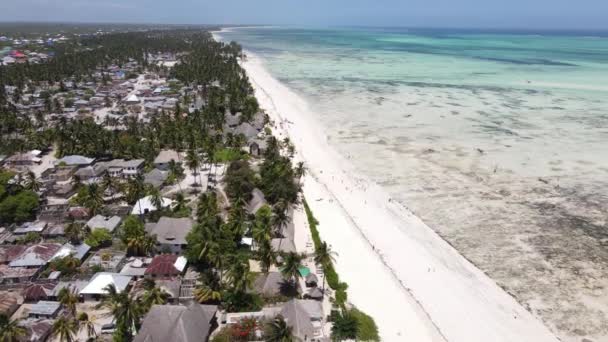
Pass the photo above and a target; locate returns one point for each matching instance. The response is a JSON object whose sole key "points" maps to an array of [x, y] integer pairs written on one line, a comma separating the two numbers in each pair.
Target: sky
{"points": [[525, 14]]}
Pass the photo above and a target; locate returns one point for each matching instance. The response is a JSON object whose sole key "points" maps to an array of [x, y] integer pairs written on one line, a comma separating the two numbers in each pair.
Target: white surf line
{"points": [[462, 301]]}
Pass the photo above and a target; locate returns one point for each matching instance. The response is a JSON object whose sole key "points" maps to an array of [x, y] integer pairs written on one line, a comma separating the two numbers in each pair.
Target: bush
{"points": [[366, 327], [98, 237], [18, 208]]}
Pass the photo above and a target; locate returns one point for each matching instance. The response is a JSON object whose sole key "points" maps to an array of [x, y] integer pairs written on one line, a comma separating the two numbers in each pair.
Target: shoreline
{"points": [[429, 292]]}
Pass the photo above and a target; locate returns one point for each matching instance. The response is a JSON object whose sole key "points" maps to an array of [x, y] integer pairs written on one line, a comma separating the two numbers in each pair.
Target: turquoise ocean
{"points": [[498, 140]]}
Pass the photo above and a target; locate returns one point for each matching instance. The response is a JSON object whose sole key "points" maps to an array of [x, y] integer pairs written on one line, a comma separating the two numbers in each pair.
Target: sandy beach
{"points": [[415, 285]]}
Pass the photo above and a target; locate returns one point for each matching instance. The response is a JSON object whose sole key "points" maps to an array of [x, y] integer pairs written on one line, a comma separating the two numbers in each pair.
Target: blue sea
{"points": [[496, 139]]}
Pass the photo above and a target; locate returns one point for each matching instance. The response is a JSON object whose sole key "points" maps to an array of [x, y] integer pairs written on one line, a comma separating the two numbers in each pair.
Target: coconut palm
{"points": [[32, 182], [124, 307], [266, 255], [93, 198], [69, 299], [108, 182], [324, 256], [206, 294], [193, 161], [65, 328], [154, 296], [74, 232], [280, 219], [278, 331], [238, 274], [10, 331], [292, 262], [300, 170], [85, 322], [140, 244], [156, 198]]}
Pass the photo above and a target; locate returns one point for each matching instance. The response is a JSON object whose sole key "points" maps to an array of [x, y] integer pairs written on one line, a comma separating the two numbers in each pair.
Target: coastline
{"points": [[415, 285]]}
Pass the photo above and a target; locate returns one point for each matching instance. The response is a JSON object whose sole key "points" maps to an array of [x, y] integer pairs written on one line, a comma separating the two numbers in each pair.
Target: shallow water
{"points": [[498, 140]]}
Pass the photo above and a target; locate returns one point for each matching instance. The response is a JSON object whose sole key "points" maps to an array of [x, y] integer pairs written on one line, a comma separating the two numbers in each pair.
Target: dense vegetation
{"points": [[18, 201]]}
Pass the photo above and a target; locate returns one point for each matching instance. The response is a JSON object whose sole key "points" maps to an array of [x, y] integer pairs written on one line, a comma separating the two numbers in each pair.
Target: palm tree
{"points": [[278, 331], [86, 323], [107, 182], [69, 299], [267, 255], [154, 296], [238, 275], [156, 198], [292, 262], [206, 294], [65, 328], [176, 172], [280, 219], [74, 232], [32, 182], [300, 170], [10, 331], [193, 161], [324, 256], [125, 309], [140, 244], [180, 202], [94, 198]]}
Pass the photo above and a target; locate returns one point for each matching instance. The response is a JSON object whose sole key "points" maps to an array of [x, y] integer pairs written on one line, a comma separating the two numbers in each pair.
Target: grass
{"points": [[225, 155]]}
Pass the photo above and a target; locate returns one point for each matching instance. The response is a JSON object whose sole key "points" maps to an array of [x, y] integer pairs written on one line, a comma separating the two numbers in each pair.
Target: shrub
{"points": [[366, 327]]}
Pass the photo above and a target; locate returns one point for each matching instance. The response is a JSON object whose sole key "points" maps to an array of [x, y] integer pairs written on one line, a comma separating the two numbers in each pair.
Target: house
{"points": [[75, 160], [59, 173], [76, 251], [96, 288], [74, 286], [30, 227], [53, 212], [257, 147], [110, 223], [156, 178], [145, 205], [9, 252], [271, 284], [36, 329], [36, 256], [21, 160], [136, 267], [171, 233], [305, 317], [36, 292], [16, 275], [125, 168], [91, 173], [166, 266], [257, 201], [44, 309], [178, 323], [132, 100], [164, 157], [9, 303], [64, 190]]}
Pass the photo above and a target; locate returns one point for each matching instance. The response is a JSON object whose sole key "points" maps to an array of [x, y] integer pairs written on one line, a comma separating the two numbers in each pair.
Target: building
{"points": [[44, 309], [106, 222], [36, 292], [36, 256], [75, 160], [16, 275], [178, 323], [96, 288], [145, 205], [76, 251], [121, 168], [166, 266], [164, 157], [30, 227], [9, 303], [305, 317], [136, 267], [9, 252], [170, 234], [156, 178]]}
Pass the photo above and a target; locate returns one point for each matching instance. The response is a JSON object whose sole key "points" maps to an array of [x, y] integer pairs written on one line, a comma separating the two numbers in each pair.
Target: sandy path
{"points": [[415, 285]]}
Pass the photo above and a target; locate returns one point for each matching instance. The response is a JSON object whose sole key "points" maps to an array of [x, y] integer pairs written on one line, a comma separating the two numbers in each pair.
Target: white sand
{"points": [[416, 286]]}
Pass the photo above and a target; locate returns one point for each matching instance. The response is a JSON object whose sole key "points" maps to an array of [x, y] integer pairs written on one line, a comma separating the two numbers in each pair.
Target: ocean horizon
{"points": [[495, 138]]}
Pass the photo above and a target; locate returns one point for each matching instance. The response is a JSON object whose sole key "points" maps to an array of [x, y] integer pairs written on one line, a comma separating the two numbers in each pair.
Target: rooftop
{"points": [[36, 255], [45, 308], [100, 280]]}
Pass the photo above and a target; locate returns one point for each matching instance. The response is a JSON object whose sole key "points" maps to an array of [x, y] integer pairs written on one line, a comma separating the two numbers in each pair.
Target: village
{"points": [[84, 234]]}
